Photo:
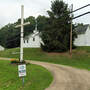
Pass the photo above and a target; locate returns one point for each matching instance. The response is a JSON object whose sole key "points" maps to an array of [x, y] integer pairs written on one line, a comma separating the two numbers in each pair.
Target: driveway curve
{"points": [[66, 78]]}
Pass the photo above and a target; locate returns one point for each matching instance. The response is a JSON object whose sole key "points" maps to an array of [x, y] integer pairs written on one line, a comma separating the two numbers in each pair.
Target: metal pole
{"points": [[71, 32], [21, 43], [23, 80]]}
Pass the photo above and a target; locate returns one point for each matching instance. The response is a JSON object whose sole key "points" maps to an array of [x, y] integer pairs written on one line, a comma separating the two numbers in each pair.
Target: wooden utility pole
{"points": [[22, 32], [71, 31]]}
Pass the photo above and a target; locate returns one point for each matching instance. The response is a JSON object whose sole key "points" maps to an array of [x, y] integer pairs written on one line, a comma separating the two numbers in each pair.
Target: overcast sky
{"points": [[10, 9]]}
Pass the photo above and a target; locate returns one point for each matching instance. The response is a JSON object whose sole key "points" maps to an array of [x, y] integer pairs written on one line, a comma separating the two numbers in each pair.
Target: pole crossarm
{"points": [[80, 15], [80, 8], [22, 25]]}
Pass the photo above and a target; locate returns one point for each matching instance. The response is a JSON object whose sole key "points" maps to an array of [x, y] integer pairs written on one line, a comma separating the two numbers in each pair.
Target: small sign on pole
{"points": [[22, 70]]}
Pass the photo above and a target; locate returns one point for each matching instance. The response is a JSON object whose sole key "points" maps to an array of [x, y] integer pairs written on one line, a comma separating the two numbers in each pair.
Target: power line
{"points": [[80, 8], [81, 15]]}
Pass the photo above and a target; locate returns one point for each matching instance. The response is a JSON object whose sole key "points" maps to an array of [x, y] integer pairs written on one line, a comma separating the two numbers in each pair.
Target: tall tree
{"points": [[29, 28], [42, 22], [9, 36], [56, 36]]}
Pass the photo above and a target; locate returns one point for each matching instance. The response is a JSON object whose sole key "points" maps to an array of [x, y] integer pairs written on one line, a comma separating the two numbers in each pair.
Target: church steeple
{"points": [[36, 29], [36, 25]]}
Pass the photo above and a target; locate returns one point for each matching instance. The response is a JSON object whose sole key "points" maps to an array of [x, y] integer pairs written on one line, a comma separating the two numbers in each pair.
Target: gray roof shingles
{"points": [[81, 29]]}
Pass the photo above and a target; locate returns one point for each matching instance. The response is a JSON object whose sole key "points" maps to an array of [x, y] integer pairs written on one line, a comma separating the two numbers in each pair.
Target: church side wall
{"points": [[33, 42], [83, 39], [88, 37], [80, 40]]}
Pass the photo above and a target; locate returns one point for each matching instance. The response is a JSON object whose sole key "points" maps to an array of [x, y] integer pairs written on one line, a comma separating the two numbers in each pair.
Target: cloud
{"points": [[10, 10]]}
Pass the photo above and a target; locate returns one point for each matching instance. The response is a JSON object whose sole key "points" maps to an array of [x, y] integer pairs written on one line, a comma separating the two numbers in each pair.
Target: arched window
{"points": [[27, 41], [24, 41], [33, 39]]}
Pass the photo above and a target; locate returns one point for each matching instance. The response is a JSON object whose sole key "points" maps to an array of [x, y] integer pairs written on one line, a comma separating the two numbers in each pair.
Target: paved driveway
{"points": [[67, 78]]}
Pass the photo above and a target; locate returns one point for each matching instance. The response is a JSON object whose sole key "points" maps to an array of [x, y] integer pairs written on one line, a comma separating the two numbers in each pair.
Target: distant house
{"points": [[83, 33], [2, 48], [33, 40]]}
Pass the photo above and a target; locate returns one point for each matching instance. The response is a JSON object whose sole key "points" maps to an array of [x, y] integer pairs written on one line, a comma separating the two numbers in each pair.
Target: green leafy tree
{"points": [[56, 36], [9, 36], [41, 22], [29, 28]]}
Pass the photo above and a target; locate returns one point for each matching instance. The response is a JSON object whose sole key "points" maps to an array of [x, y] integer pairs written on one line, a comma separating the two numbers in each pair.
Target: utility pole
{"points": [[22, 32], [71, 31], [71, 12]]}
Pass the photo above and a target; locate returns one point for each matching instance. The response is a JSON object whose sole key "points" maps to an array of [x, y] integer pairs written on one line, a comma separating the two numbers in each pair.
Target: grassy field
{"points": [[38, 78], [80, 57]]}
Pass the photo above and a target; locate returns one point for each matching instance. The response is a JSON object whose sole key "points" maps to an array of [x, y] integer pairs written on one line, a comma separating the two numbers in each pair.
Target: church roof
{"points": [[81, 29], [31, 35]]}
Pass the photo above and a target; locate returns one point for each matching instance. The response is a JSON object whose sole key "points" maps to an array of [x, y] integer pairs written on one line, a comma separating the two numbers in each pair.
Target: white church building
{"points": [[32, 40], [83, 36]]}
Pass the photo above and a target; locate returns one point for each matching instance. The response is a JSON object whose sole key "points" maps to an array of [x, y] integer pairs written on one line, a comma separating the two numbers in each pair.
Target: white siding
{"points": [[33, 43], [88, 36], [80, 40], [83, 39]]}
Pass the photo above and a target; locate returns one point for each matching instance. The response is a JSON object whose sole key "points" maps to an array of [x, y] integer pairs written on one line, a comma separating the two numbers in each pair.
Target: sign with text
{"points": [[22, 70]]}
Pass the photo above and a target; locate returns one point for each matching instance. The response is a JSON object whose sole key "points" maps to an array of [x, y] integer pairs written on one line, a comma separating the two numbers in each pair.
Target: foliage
{"points": [[56, 36], [10, 36], [42, 22], [29, 28]]}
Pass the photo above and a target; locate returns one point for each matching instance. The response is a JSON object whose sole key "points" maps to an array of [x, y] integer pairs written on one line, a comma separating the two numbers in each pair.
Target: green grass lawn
{"points": [[80, 57], [38, 78]]}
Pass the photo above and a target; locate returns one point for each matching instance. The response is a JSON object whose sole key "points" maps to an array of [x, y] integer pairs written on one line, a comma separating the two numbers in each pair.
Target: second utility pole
{"points": [[71, 31]]}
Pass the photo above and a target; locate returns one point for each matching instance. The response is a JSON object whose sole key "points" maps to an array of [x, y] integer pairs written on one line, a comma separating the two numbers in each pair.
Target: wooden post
{"points": [[71, 31]]}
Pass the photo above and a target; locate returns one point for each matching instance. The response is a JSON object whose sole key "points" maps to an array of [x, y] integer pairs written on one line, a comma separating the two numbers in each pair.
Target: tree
{"points": [[29, 28], [10, 36], [42, 22], [56, 36]]}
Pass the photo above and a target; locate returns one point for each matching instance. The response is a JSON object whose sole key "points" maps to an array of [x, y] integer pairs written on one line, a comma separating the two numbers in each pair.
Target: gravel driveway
{"points": [[67, 78]]}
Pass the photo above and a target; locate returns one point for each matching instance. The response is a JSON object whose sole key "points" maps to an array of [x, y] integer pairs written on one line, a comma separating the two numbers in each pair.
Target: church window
{"points": [[33, 39], [24, 41], [27, 41]]}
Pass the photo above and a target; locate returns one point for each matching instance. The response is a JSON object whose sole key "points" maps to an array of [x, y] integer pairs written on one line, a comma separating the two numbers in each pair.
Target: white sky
{"points": [[10, 10]]}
